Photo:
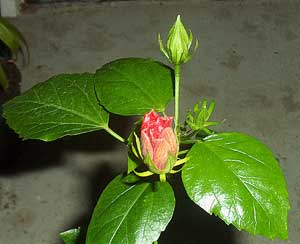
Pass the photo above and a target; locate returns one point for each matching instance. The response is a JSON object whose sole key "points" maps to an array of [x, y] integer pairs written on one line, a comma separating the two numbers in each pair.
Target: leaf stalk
{"points": [[115, 135]]}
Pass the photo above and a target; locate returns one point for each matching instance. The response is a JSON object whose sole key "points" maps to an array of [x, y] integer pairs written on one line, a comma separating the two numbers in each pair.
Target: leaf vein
{"points": [[60, 108], [126, 213]]}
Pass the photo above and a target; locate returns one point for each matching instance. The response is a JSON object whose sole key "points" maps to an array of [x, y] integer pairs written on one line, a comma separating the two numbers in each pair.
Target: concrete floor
{"points": [[248, 61]]}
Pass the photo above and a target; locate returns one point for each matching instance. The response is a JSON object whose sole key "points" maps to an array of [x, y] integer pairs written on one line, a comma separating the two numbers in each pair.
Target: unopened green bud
{"points": [[178, 43]]}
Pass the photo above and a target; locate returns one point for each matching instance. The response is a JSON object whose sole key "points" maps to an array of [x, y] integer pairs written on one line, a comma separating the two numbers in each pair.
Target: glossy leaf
{"points": [[237, 178], [63, 105], [131, 213], [70, 236], [132, 86]]}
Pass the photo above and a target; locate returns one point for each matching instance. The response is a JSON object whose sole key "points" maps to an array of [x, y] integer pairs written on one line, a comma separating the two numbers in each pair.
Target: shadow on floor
{"points": [[98, 181], [19, 156]]}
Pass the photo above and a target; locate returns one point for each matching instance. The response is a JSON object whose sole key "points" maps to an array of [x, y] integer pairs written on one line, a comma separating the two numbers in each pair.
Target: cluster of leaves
{"points": [[11, 42], [72, 104], [197, 122], [231, 175]]}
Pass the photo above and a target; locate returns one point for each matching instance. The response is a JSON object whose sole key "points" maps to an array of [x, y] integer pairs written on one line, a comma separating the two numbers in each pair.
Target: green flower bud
{"points": [[178, 43]]}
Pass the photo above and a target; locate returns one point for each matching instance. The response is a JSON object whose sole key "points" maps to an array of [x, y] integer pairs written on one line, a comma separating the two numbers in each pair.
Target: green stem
{"points": [[115, 135], [162, 177], [156, 242], [177, 97]]}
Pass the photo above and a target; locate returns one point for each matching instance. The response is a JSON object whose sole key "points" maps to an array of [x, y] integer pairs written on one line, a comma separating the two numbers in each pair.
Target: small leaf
{"points": [[210, 109], [70, 236], [237, 178], [131, 214], [133, 86], [198, 121], [63, 105]]}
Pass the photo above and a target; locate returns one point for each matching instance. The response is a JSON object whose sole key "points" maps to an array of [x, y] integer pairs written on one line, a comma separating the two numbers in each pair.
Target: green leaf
{"points": [[198, 121], [70, 236], [10, 35], [131, 179], [64, 105], [133, 86], [237, 178], [131, 214], [3, 78]]}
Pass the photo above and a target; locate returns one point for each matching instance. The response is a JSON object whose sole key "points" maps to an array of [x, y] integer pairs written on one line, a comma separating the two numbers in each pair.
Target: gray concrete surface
{"points": [[248, 61]]}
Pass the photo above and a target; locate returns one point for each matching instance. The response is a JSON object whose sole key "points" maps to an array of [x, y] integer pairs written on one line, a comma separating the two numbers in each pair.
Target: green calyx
{"points": [[168, 166], [178, 44]]}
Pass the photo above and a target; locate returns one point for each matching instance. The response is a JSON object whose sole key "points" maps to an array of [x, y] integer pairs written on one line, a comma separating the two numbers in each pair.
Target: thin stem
{"points": [[177, 97], [115, 135], [156, 242], [162, 177]]}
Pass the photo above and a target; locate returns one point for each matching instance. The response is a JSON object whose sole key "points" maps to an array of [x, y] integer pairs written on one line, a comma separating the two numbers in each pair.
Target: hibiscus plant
{"points": [[231, 175]]}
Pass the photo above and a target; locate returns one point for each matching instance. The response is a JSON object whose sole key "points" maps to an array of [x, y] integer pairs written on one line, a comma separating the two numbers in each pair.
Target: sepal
{"points": [[178, 45]]}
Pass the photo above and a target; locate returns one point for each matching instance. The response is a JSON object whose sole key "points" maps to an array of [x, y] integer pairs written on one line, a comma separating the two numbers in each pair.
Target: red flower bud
{"points": [[159, 146]]}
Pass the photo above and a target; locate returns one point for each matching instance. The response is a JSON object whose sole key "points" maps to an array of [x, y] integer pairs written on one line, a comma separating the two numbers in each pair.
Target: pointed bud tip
{"points": [[178, 43]]}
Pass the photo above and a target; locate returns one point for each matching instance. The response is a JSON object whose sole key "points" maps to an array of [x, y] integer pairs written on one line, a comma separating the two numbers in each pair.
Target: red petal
{"points": [[147, 148], [169, 136], [153, 124], [161, 154]]}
